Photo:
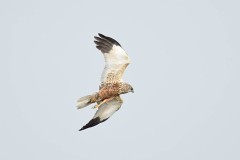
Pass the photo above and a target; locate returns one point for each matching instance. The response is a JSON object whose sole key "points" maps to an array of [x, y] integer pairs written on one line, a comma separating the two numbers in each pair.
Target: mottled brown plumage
{"points": [[112, 86], [108, 90]]}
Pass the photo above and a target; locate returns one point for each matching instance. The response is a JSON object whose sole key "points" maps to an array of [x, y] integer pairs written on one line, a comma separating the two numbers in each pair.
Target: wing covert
{"points": [[104, 112], [116, 59]]}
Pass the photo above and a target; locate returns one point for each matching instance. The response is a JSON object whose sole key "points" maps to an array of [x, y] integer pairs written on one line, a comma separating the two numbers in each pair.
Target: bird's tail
{"points": [[87, 100]]}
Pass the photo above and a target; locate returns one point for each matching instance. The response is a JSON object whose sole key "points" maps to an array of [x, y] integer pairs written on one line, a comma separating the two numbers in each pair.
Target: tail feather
{"points": [[86, 100]]}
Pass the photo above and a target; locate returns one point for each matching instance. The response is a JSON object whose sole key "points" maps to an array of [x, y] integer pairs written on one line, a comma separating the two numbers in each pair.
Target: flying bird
{"points": [[108, 99]]}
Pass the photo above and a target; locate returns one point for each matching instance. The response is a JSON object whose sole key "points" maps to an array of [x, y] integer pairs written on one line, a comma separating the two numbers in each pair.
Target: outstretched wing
{"points": [[105, 111], [116, 59]]}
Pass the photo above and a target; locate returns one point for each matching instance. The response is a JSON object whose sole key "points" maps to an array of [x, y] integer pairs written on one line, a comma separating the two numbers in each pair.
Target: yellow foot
{"points": [[96, 106], [104, 101]]}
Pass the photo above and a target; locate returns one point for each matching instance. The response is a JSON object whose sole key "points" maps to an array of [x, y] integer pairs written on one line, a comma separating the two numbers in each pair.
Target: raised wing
{"points": [[104, 112], [116, 59]]}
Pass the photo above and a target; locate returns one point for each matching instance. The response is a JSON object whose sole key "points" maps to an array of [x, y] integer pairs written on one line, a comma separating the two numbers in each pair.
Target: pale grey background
{"points": [[185, 72]]}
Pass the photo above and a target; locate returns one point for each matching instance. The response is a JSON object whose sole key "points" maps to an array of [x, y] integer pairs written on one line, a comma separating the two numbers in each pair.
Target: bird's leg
{"points": [[104, 101]]}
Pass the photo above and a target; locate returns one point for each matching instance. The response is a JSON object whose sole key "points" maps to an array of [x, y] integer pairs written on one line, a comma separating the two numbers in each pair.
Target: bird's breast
{"points": [[108, 91]]}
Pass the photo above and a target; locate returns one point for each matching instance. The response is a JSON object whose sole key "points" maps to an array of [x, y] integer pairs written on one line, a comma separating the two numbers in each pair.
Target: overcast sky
{"points": [[185, 72]]}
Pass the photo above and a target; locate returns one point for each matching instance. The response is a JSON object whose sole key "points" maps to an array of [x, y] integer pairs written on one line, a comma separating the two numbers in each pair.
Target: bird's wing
{"points": [[105, 111], [116, 59]]}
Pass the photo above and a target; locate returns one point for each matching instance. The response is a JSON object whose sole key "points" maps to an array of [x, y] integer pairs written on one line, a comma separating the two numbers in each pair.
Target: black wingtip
{"points": [[81, 129], [113, 41], [92, 122], [101, 35]]}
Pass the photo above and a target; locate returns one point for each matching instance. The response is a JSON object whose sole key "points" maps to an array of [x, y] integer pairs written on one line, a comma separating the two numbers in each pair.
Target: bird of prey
{"points": [[108, 99]]}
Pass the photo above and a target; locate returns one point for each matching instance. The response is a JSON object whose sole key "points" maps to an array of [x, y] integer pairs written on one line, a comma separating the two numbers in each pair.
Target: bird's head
{"points": [[126, 88]]}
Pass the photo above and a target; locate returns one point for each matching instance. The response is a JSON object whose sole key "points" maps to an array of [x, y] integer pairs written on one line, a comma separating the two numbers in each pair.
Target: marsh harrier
{"points": [[112, 86]]}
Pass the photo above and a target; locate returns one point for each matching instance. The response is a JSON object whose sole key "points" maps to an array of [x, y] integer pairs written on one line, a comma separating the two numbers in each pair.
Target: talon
{"points": [[96, 106], [104, 101]]}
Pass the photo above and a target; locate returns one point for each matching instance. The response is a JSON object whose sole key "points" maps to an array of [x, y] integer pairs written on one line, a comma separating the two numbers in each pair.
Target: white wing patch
{"points": [[107, 109], [116, 59]]}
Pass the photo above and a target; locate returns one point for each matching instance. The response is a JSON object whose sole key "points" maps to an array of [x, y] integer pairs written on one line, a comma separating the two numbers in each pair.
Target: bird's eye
{"points": [[132, 90]]}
